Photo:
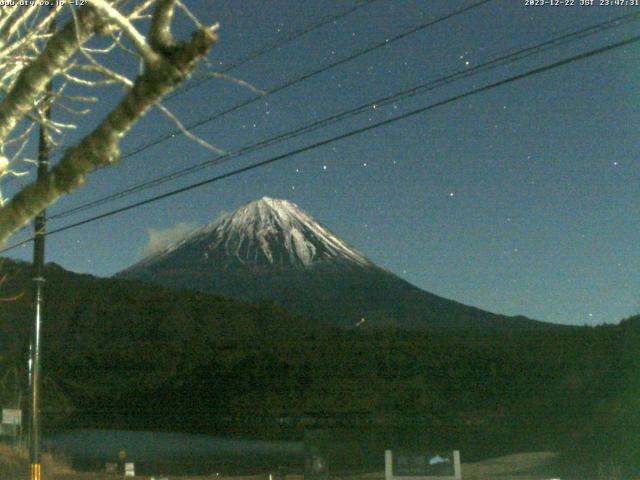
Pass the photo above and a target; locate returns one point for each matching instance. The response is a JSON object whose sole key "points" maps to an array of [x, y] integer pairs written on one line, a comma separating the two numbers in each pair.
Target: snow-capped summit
{"points": [[266, 232], [278, 232], [272, 250]]}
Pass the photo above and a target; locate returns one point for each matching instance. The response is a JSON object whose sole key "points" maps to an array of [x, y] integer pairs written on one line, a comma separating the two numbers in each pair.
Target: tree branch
{"points": [[101, 147], [138, 40], [160, 35], [34, 78]]}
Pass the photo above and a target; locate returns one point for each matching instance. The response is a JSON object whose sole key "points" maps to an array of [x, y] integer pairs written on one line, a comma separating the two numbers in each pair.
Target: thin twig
{"points": [[187, 133]]}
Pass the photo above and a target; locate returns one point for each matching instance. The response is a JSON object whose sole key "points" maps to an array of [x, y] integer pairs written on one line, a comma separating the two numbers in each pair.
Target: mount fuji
{"points": [[270, 250]]}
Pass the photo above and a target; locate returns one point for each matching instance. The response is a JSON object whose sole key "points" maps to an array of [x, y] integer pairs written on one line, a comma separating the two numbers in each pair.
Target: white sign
{"points": [[11, 416], [422, 466], [129, 469]]}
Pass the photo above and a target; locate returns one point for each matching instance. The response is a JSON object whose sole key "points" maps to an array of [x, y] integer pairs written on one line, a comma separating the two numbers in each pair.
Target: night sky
{"points": [[520, 200]]}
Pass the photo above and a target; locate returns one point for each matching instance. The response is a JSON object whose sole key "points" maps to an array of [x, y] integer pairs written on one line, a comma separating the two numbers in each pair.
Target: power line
{"points": [[308, 75], [303, 77], [206, 77], [412, 113], [276, 46], [428, 86]]}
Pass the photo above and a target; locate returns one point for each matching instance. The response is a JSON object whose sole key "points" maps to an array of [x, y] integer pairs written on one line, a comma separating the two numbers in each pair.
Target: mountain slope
{"points": [[271, 250], [270, 233], [110, 342]]}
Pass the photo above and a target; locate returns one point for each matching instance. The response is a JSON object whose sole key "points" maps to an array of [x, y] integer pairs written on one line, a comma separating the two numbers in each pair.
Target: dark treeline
{"points": [[120, 354]]}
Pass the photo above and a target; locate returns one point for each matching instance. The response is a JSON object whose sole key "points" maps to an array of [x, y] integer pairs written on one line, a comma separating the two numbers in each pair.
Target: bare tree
{"points": [[32, 55]]}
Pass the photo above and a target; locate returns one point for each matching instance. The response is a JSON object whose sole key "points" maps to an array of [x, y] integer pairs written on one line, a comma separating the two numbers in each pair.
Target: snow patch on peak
{"points": [[279, 231], [268, 231]]}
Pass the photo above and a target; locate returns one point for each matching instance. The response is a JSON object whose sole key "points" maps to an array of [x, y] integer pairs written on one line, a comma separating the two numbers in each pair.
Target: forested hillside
{"points": [[122, 354]]}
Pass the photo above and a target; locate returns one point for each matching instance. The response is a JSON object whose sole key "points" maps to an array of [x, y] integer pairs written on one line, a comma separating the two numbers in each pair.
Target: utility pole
{"points": [[40, 224]]}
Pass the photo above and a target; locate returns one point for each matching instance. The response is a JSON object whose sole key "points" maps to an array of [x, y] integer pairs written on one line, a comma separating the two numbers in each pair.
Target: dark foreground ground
{"points": [[522, 466]]}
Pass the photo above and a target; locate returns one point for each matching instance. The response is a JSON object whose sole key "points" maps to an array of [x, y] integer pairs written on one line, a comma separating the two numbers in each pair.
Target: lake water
{"points": [[171, 453]]}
